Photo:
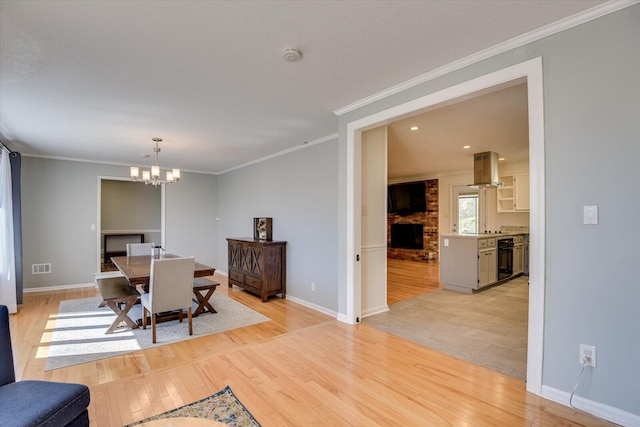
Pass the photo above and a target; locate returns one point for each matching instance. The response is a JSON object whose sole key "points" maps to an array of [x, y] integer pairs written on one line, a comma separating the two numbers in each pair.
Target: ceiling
{"points": [[495, 121], [97, 80]]}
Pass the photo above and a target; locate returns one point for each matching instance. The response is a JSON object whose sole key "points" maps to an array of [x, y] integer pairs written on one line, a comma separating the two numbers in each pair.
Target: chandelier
{"points": [[153, 176]]}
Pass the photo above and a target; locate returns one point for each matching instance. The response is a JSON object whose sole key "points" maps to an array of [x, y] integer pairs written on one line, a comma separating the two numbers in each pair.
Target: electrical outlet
{"points": [[588, 355], [313, 286]]}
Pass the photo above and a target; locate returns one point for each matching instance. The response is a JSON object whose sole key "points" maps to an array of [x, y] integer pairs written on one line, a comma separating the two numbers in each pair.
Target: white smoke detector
{"points": [[291, 55]]}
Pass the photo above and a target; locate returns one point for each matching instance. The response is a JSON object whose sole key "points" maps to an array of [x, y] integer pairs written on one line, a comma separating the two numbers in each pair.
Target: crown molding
{"points": [[542, 32], [280, 153], [283, 152], [72, 159]]}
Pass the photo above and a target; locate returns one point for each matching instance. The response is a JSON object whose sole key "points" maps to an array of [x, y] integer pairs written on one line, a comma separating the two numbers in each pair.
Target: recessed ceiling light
{"points": [[501, 158], [414, 128], [466, 147]]}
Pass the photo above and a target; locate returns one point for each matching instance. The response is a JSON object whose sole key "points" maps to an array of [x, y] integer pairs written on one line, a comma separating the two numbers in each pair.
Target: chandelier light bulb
{"points": [[153, 176]]}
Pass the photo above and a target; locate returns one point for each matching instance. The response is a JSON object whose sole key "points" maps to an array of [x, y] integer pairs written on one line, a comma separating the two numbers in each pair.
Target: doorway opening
{"points": [[128, 212], [531, 71]]}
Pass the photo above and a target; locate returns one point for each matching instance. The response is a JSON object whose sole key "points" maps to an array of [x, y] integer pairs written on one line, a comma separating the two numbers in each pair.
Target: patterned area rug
{"points": [[223, 407], [80, 325]]}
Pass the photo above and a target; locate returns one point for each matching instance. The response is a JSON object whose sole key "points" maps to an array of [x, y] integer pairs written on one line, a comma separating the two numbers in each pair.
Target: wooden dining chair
{"points": [[170, 288], [137, 249]]}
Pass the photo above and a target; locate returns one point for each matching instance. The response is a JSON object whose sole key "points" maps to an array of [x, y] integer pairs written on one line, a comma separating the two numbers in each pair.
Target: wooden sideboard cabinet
{"points": [[258, 266]]}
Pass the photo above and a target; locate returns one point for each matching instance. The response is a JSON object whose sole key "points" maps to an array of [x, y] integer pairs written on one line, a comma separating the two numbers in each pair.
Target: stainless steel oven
{"points": [[505, 258]]}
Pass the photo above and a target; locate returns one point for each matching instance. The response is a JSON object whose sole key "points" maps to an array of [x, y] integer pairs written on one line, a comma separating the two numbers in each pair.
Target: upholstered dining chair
{"points": [[170, 288], [137, 249]]}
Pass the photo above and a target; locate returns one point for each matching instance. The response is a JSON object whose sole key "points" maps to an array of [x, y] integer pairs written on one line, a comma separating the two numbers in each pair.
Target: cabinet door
{"points": [[521, 192], [518, 259], [487, 267], [492, 266]]}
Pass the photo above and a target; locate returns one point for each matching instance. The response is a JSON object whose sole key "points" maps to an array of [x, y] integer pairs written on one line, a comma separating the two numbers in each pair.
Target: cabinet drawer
{"points": [[238, 277], [253, 282], [518, 239], [486, 243]]}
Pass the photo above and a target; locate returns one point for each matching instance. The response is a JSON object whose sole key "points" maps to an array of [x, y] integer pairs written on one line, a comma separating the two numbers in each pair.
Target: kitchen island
{"points": [[471, 262]]}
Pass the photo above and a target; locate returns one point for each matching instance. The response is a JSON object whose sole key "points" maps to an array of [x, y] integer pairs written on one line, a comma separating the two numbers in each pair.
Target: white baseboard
{"points": [[598, 409], [108, 274], [313, 306], [222, 272], [374, 311], [59, 288], [343, 318]]}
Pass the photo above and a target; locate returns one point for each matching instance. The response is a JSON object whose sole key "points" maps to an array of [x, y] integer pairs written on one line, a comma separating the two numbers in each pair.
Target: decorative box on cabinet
{"points": [[258, 266]]}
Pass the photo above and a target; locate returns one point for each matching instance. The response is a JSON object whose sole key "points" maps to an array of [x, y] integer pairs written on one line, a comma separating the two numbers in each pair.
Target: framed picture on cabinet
{"points": [[262, 228]]}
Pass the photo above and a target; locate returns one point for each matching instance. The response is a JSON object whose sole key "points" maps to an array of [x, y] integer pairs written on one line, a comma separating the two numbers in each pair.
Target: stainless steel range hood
{"points": [[485, 170]]}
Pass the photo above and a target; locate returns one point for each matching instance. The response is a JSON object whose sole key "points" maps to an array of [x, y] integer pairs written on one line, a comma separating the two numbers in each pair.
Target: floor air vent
{"points": [[41, 268]]}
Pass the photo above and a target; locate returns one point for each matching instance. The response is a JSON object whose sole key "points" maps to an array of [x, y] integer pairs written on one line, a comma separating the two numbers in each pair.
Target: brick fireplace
{"points": [[408, 225]]}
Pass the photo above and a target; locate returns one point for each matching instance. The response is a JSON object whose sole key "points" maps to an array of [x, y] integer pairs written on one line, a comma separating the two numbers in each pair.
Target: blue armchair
{"points": [[36, 403]]}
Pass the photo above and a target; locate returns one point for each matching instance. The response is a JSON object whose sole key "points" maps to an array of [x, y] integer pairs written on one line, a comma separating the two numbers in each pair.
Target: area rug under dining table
{"points": [[79, 332]]}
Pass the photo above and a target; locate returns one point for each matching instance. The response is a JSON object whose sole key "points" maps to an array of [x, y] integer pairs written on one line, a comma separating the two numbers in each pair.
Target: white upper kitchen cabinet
{"points": [[514, 195]]}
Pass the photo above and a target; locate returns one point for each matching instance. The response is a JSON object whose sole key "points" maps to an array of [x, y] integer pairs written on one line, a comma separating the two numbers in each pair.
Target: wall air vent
{"points": [[44, 268]]}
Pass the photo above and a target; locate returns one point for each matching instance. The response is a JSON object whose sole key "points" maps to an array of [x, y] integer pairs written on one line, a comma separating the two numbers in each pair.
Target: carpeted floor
{"points": [[79, 332], [223, 407], [488, 328]]}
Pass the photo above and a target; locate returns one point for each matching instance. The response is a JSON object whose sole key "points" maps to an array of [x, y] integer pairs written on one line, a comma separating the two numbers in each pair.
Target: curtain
{"points": [[7, 258], [16, 165]]}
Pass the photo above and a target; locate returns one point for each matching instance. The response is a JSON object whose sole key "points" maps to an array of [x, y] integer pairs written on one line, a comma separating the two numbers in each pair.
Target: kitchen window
{"points": [[467, 210], [468, 213]]}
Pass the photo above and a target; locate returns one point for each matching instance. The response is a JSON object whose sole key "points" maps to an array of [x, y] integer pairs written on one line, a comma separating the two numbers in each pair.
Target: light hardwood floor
{"points": [[408, 279], [302, 368]]}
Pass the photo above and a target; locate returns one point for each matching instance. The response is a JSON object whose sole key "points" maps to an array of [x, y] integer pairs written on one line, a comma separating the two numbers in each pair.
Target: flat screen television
{"points": [[405, 199]]}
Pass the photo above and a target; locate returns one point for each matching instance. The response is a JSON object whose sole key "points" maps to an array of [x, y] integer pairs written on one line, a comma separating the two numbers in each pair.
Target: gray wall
{"points": [[592, 125], [60, 202], [191, 210], [128, 205], [298, 191]]}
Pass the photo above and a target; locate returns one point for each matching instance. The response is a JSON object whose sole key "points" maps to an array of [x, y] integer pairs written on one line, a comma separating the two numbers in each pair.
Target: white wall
{"points": [[591, 94], [374, 221]]}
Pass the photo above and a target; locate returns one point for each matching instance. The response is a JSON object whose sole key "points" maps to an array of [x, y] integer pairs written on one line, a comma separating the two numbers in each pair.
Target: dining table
{"points": [[137, 269]]}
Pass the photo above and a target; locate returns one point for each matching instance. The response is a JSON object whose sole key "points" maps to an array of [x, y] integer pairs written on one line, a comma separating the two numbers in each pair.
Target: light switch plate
{"points": [[590, 214]]}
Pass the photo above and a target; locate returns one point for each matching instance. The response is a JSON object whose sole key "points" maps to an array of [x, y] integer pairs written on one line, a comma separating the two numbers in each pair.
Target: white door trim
{"points": [[532, 71]]}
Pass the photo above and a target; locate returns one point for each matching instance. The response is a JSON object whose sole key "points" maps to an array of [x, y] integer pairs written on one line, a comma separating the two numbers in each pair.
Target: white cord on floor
{"points": [[584, 365]]}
